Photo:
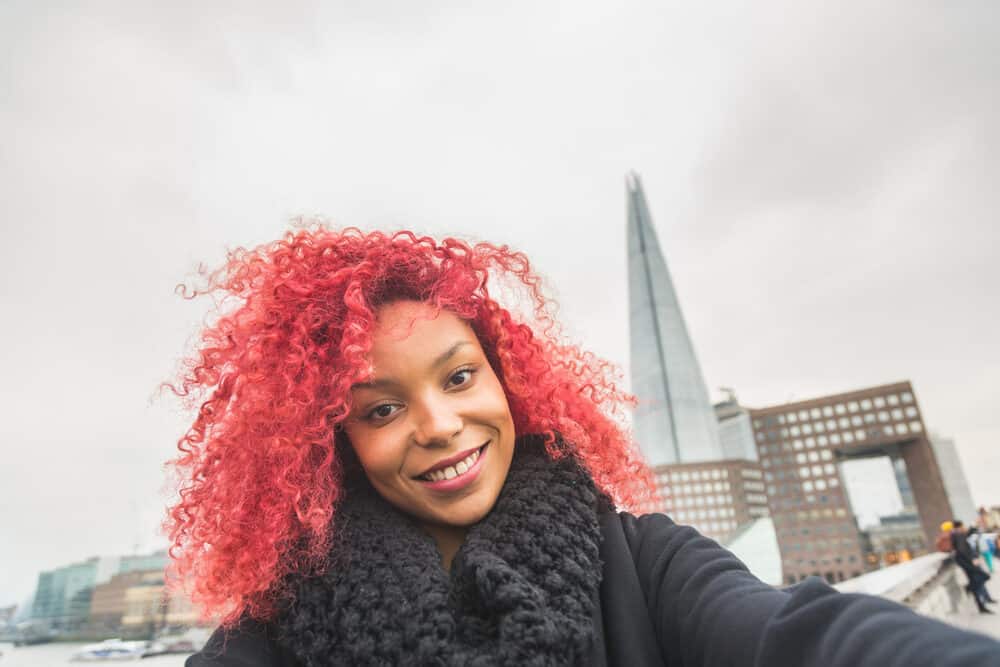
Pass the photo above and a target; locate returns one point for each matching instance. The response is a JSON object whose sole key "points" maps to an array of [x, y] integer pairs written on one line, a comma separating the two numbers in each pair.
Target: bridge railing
{"points": [[931, 585]]}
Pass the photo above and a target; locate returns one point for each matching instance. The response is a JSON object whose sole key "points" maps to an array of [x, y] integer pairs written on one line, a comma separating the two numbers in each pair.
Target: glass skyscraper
{"points": [[674, 421]]}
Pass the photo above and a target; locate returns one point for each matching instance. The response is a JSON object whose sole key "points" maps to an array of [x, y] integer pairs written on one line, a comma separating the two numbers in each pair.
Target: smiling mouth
{"points": [[442, 473]]}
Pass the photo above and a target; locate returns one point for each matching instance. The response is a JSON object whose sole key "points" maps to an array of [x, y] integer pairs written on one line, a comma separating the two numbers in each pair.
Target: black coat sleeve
{"points": [[709, 611], [249, 644]]}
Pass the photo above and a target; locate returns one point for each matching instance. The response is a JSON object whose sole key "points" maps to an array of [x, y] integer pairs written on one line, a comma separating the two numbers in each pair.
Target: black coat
{"points": [[670, 596]]}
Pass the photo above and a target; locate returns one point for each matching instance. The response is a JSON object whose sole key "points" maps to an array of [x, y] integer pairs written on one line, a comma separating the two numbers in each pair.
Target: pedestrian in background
{"points": [[968, 559]]}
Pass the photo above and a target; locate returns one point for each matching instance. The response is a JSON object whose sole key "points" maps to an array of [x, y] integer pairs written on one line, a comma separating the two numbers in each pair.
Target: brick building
{"points": [[800, 445]]}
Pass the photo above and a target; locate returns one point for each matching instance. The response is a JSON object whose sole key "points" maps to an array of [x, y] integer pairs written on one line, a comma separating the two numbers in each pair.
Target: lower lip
{"points": [[459, 481]]}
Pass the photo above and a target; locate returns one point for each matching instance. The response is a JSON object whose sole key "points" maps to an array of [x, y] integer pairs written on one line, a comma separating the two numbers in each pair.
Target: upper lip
{"points": [[452, 460]]}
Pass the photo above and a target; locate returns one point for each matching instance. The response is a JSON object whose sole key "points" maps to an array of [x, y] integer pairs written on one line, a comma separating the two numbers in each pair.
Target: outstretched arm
{"points": [[708, 611]]}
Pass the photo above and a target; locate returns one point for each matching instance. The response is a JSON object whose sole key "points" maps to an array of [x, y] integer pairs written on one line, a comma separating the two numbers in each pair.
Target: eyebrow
{"points": [[440, 360]]}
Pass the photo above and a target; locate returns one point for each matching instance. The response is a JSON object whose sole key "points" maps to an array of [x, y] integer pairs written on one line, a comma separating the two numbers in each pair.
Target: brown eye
{"points": [[460, 378], [383, 411]]}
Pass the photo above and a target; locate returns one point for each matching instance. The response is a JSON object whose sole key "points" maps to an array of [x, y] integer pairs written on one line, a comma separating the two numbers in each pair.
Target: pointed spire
{"points": [[674, 421]]}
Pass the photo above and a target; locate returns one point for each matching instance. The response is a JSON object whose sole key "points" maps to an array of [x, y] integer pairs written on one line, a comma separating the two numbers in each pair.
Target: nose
{"points": [[436, 424]]}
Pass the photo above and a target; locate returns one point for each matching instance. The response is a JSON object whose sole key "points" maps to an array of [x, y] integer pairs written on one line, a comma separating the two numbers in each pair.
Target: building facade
{"points": [[716, 497], [800, 446], [735, 429], [955, 482], [673, 421]]}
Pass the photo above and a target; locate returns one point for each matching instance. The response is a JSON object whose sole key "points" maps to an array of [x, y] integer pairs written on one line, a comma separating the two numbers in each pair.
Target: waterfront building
{"points": [[953, 474], [894, 539], [674, 421], [62, 596], [108, 603], [716, 497], [735, 429], [800, 446]]}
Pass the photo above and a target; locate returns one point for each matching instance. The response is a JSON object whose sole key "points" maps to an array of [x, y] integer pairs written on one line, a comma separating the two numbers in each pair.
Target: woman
{"points": [[389, 467]]}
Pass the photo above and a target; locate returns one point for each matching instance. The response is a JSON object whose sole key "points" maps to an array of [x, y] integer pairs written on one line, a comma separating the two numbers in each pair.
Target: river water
{"points": [[58, 655]]}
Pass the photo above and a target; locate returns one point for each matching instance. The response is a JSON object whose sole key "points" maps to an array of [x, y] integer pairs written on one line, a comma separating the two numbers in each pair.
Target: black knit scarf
{"points": [[521, 590]]}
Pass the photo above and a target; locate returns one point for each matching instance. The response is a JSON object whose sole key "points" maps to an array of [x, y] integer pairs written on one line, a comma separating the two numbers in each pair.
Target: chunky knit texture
{"points": [[521, 590]]}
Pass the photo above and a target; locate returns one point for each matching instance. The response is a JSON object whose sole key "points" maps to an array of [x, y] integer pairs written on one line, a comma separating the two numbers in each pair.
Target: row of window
{"points": [[810, 515], [703, 501], [832, 530], [837, 409], [691, 515], [847, 437], [869, 418], [692, 475], [687, 489], [820, 545]]}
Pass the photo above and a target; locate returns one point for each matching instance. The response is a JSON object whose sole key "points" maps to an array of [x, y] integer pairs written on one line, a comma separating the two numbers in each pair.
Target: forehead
{"points": [[408, 327]]}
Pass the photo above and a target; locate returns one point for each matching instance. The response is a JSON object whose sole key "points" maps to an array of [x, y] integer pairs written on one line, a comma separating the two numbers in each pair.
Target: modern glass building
{"points": [[954, 478], [674, 421]]}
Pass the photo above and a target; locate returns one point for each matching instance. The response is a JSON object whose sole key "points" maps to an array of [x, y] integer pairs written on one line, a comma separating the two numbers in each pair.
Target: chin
{"points": [[466, 514]]}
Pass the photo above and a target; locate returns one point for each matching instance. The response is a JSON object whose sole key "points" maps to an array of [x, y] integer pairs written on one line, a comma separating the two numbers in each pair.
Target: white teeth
{"points": [[451, 472]]}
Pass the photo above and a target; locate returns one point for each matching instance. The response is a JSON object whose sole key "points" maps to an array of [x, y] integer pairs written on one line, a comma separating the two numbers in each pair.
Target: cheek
{"points": [[375, 451]]}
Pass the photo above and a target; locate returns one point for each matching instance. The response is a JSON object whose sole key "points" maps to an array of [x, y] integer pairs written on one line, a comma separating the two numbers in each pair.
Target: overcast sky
{"points": [[823, 179]]}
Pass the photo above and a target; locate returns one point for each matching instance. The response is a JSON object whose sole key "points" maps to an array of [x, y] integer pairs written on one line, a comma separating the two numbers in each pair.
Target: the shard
{"points": [[674, 421]]}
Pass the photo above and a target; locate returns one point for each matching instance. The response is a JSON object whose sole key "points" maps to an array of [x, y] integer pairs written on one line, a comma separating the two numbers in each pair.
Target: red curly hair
{"points": [[260, 469]]}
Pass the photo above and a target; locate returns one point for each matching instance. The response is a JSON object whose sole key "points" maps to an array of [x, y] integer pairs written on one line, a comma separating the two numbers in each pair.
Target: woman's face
{"points": [[432, 428]]}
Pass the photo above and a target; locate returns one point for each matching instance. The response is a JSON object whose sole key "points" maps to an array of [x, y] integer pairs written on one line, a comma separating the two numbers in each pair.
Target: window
{"points": [[826, 455], [814, 456], [791, 418], [819, 427], [852, 406], [901, 429], [883, 416], [879, 402], [804, 471], [897, 414], [827, 411], [887, 429], [835, 439], [797, 444], [869, 417], [831, 424], [915, 427], [806, 429], [807, 487], [848, 437], [821, 440], [795, 430], [856, 420], [844, 422], [840, 409], [829, 469], [810, 443], [820, 485], [892, 399], [907, 397], [814, 413], [800, 458], [817, 470], [866, 404], [911, 411], [803, 416]]}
